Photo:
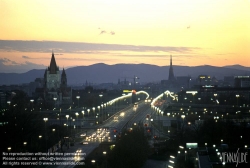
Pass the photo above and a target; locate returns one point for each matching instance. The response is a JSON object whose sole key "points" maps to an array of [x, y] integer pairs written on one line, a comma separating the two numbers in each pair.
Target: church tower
{"points": [[171, 71], [63, 79], [52, 77]]}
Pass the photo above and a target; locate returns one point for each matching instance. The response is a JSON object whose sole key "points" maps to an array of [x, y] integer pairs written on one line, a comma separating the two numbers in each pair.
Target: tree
{"points": [[130, 151]]}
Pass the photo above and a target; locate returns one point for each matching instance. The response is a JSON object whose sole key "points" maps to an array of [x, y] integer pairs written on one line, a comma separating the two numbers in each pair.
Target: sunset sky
{"points": [[85, 32]]}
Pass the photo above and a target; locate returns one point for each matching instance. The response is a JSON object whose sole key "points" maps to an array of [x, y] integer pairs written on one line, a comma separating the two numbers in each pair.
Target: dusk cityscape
{"points": [[118, 84]]}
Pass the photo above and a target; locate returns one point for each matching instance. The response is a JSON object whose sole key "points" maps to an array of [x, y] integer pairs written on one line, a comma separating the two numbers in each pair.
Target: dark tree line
{"points": [[130, 151]]}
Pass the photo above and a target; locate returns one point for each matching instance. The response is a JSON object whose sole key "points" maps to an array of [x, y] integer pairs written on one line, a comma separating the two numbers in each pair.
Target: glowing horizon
{"points": [[112, 32]]}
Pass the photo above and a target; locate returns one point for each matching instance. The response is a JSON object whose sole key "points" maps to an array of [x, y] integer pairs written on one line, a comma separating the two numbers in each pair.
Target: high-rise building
{"points": [[171, 71]]}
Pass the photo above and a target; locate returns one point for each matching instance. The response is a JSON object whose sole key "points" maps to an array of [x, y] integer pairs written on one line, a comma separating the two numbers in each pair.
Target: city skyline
{"points": [[85, 33]]}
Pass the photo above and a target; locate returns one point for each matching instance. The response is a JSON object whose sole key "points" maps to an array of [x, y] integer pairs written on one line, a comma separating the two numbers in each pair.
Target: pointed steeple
{"points": [[171, 71], [53, 67], [63, 79], [63, 72], [171, 60]]}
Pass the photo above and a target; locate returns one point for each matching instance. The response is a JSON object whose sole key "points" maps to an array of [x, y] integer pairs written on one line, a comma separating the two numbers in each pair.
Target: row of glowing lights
{"points": [[115, 100], [183, 116], [160, 96], [126, 96]]}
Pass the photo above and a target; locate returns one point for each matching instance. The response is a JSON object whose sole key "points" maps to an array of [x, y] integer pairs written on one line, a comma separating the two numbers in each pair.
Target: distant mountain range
{"points": [[103, 73]]}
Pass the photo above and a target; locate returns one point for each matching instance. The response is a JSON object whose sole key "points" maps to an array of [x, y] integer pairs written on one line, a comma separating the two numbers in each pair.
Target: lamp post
{"points": [[55, 101], [67, 116], [74, 127], [88, 112], [237, 96], [99, 113], [183, 117], [100, 95], [31, 103], [104, 153], [76, 120], [102, 112], [78, 97], [193, 97], [8, 102], [93, 110], [24, 144], [215, 95], [185, 155], [46, 138], [82, 117]]}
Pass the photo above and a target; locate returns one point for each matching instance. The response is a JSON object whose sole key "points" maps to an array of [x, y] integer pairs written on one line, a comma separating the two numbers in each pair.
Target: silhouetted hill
{"points": [[20, 78], [103, 73], [237, 66]]}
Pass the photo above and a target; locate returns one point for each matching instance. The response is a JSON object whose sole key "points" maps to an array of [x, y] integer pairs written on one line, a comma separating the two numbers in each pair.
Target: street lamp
{"points": [[74, 126], [76, 120], [46, 138], [88, 111], [185, 155], [100, 95], [94, 110], [237, 96], [215, 95], [8, 102], [31, 103], [82, 117], [104, 153], [102, 112], [78, 97], [99, 113], [183, 116], [67, 116], [168, 114], [55, 101], [193, 96]]}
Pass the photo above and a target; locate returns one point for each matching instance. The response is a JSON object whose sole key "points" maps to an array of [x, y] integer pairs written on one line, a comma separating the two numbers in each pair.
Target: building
{"points": [[229, 81], [204, 80], [171, 71], [184, 81], [241, 81], [55, 90], [171, 82]]}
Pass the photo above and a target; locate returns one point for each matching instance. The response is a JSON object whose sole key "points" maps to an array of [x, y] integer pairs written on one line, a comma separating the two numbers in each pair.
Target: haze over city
{"points": [[125, 83], [88, 32]]}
